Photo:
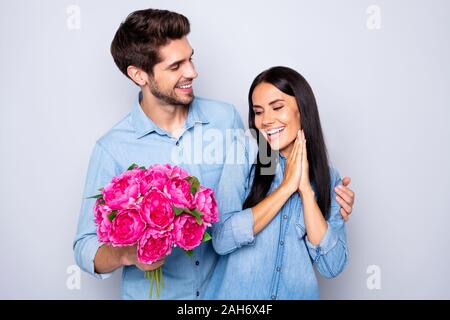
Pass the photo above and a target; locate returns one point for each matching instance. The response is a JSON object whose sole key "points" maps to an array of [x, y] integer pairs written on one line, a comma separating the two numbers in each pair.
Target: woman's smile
{"points": [[273, 134]]}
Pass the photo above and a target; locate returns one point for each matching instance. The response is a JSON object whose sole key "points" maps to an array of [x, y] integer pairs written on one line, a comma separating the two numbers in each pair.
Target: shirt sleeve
{"points": [[235, 226], [331, 255], [102, 168]]}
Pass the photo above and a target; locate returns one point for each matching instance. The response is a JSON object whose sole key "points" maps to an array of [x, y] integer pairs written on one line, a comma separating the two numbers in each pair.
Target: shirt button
{"points": [[197, 293], [273, 297], [285, 217], [197, 263], [281, 242], [278, 269]]}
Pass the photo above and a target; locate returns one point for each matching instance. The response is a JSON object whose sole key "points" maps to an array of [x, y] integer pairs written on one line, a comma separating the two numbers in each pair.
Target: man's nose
{"points": [[190, 72]]}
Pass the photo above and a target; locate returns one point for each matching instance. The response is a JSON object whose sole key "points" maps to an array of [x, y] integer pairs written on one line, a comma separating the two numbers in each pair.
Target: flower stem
{"points": [[152, 278], [157, 282], [155, 277], [162, 278]]}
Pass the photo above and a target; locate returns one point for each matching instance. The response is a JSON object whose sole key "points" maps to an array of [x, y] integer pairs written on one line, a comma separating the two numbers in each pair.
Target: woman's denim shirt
{"points": [[278, 262]]}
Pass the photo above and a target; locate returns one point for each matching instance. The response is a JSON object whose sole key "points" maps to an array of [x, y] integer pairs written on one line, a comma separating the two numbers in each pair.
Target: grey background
{"points": [[382, 96]]}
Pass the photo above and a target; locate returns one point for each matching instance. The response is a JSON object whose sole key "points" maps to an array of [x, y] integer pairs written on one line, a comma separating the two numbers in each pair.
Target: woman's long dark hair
{"points": [[292, 83]]}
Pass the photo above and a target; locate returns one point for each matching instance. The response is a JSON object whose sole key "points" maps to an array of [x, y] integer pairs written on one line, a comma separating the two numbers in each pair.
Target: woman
{"points": [[279, 214]]}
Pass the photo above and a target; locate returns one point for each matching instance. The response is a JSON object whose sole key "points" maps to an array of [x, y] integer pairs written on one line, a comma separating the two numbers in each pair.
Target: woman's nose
{"points": [[267, 120]]}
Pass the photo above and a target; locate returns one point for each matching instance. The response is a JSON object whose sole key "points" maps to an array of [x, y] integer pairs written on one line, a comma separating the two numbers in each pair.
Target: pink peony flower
{"points": [[157, 176], [206, 203], [101, 213], [157, 210], [145, 181], [154, 245], [103, 231], [137, 207], [123, 191], [187, 233], [127, 228], [178, 190], [178, 172]]}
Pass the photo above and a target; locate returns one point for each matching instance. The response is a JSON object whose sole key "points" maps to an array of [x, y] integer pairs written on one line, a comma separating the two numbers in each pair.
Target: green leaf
{"points": [[189, 252], [179, 211], [132, 166], [112, 215], [95, 197], [142, 167], [195, 184], [206, 237], [198, 216]]}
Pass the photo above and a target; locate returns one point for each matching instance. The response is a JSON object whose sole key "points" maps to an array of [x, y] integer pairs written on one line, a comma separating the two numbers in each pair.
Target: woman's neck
{"points": [[286, 152]]}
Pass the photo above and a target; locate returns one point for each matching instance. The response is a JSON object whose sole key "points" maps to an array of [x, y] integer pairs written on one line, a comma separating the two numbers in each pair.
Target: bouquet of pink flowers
{"points": [[156, 209]]}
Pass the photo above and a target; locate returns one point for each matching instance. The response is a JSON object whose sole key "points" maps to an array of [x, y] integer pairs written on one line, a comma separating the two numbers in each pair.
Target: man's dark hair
{"points": [[139, 37]]}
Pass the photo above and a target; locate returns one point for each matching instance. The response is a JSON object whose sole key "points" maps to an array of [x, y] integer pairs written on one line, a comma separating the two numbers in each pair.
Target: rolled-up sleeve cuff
{"points": [[327, 243], [242, 226], [86, 254]]}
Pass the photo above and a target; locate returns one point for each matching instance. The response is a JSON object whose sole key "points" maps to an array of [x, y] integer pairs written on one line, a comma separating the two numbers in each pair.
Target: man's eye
{"points": [[175, 67]]}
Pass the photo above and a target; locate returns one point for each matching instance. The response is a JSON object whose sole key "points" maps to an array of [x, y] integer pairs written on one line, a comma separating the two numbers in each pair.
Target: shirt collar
{"points": [[143, 125]]}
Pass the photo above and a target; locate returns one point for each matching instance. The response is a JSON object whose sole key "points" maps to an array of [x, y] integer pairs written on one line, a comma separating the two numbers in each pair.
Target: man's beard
{"points": [[168, 97]]}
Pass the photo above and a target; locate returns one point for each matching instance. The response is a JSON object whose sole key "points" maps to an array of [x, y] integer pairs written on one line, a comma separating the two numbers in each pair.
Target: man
{"points": [[151, 48]]}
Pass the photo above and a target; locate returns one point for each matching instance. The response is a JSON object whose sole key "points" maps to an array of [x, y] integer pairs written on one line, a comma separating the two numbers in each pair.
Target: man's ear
{"points": [[139, 76]]}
